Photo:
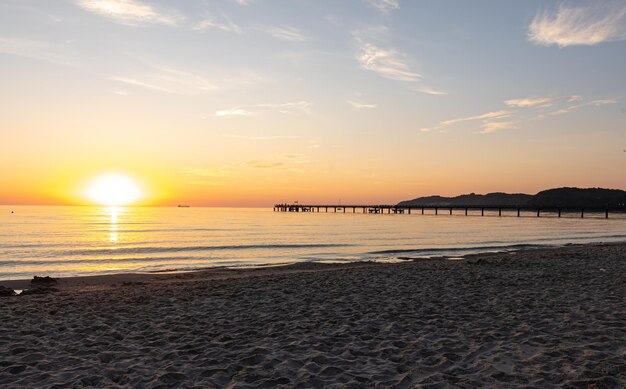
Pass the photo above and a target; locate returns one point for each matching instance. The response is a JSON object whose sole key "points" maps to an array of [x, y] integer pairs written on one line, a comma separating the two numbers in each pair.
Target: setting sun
{"points": [[114, 189]]}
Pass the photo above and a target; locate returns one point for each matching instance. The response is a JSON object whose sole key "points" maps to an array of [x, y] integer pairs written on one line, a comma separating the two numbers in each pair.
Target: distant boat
{"points": [[183, 206]]}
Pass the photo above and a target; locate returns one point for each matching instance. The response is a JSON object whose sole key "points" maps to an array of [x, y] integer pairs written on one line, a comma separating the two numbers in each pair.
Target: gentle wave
{"points": [[564, 239], [30, 245], [66, 261], [125, 230], [166, 249], [221, 264], [520, 246]]}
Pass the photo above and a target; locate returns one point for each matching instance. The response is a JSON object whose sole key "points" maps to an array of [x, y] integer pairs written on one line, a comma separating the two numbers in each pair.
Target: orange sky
{"points": [[371, 102]]}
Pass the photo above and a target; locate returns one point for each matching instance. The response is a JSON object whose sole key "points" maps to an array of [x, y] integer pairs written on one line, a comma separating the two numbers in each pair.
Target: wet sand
{"points": [[536, 319]]}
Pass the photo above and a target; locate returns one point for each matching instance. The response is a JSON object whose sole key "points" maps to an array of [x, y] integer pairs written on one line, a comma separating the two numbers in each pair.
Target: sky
{"points": [[253, 102]]}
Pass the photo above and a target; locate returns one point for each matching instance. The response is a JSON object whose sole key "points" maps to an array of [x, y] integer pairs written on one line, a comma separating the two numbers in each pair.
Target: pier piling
{"points": [[400, 209]]}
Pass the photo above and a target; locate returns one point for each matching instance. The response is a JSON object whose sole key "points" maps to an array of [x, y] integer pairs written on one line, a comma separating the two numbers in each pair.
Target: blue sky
{"points": [[237, 96]]}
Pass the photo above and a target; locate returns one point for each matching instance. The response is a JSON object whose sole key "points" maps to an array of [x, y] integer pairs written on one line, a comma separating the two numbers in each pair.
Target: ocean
{"points": [[70, 241]]}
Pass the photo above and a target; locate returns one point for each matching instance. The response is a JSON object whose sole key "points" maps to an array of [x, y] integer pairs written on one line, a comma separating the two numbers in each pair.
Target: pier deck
{"points": [[420, 209]]}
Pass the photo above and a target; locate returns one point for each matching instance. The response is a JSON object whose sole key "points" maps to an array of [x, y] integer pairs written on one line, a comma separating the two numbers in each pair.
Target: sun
{"points": [[114, 189]]}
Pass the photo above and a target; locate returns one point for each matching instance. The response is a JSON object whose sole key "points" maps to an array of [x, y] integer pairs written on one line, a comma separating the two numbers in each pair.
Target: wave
{"points": [[588, 236], [64, 262], [169, 249], [218, 265], [585, 235], [520, 246], [125, 230], [493, 245], [30, 245]]}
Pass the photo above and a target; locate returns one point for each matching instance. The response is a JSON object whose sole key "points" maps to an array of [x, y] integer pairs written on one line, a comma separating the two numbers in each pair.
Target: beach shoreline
{"points": [[551, 317], [228, 272]]}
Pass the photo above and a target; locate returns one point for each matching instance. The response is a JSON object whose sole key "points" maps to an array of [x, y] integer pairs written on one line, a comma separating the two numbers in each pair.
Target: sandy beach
{"points": [[531, 319]]}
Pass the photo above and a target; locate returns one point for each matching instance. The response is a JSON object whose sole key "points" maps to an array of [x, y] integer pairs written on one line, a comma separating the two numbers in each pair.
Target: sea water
{"points": [[68, 241]]}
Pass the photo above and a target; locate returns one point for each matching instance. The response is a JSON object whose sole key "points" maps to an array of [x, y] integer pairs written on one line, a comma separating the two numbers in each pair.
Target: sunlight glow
{"points": [[113, 190]]}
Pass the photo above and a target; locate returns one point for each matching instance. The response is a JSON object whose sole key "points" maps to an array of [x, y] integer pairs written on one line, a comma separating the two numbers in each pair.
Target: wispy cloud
{"points": [[530, 109], [574, 107], [169, 80], [224, 174], [490, 127], [596, 22], [284, 161], [359, 106], [488, 115], [541, 102], [373, 53], [562, 111], [597, 103], [260, 164], [131, 12], [39, 50], [295, 107], [141, 84], [233, 112], [429, 91], [223, 23], [265, 137], [208, 176], [286, 33], [205, 172], [386, 62], [384, 5], [530, 102], [298, 158], [291, 108], [484, 116]]}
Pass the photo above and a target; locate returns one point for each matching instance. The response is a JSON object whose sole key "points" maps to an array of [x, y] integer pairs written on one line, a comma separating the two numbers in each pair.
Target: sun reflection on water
{"points": [[113, 228]]}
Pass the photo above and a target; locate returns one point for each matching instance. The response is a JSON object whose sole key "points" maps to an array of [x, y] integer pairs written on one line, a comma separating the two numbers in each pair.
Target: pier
{"points": [[469, 210]]}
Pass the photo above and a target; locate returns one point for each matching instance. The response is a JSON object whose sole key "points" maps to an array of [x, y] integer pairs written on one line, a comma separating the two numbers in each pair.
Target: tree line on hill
{"points": [[589, 198]]}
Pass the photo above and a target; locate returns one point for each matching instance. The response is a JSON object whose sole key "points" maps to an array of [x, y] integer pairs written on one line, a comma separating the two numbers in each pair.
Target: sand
{"points": [[537, 318]]}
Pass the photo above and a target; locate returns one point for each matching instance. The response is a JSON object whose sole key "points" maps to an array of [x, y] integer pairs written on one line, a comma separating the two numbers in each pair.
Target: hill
{"points": [[551, 198], [580, 198], [472, 200]]}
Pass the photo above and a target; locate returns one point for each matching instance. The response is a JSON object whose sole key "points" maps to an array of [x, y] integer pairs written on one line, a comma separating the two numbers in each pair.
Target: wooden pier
{"points": [[448, 210]]}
